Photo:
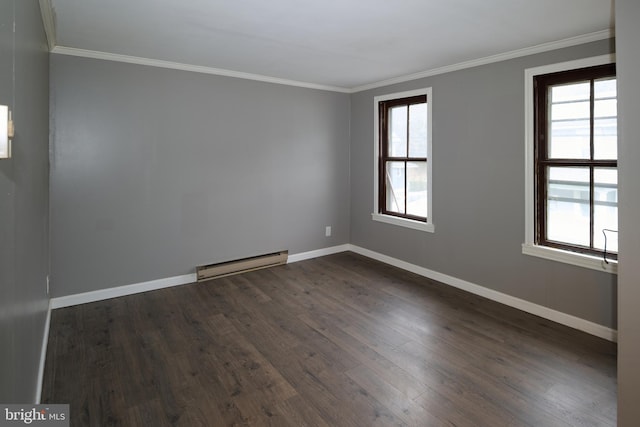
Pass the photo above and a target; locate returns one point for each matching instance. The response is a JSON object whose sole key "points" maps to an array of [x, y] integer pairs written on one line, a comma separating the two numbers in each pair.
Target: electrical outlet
{"points": [[327, 231]]}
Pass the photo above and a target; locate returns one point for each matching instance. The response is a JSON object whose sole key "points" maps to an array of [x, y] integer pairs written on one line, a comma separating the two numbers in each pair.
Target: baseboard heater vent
{"points": [[213, 271]]}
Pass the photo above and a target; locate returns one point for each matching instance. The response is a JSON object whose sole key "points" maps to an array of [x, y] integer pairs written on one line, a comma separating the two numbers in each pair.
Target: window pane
{"points": [[570, 102], [418, 130], [571, 92], [605, 130], [395, 187], [398, 132], [568, 205], [569, 137], [570, 111], [417, 188], [605, 211], [569, 140], [605, 108], [605, 139], [605, 88]]}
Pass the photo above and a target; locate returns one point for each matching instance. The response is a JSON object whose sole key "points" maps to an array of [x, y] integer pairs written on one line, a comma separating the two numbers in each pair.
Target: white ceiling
{"points": [[338, 43]]}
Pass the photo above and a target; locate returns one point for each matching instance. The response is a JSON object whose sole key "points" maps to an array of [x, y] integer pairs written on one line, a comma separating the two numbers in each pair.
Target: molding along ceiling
{"points": [[332, 45]]}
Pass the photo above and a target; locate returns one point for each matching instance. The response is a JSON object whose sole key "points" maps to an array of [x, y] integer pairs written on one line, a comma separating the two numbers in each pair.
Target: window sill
{"points": [[580, 260], [402, 222]]}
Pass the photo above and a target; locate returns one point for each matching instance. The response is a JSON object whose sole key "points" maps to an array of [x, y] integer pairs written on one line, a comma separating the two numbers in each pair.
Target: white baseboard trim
{"points": [[120, 291], [43, 356], [526, 306], [529, 307], [318, 253]]}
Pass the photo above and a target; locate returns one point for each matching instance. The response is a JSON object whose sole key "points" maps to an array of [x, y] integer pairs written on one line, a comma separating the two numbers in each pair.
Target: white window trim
{"points": [[529, 247], [389, 219]]}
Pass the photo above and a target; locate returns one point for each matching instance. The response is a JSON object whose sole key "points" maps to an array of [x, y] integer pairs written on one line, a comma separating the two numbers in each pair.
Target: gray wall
{"points": [[155, 171], [478, 190], [24, 194], [628, 57]]}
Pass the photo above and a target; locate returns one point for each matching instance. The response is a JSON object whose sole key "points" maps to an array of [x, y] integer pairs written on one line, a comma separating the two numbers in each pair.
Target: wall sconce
{"points": [[6, 132]]}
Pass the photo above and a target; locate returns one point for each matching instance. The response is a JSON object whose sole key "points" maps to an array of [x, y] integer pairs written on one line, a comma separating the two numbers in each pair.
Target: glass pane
{"points": [[605, 88], [417, 188], [571, 92], [605, 210], [568, 205], [395, 187], [569, 102], [605, 139], [398, 131], [605, 126], [605, 108], [570, 111], [569, 140], [418, 130], [569, 137]]}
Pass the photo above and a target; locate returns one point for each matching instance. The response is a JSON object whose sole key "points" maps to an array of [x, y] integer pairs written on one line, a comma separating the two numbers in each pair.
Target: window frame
{"points": [[379, 213], [543, 160], [554, 252]]}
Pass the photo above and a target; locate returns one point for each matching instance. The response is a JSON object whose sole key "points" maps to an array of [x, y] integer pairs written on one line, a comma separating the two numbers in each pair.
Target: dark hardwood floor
{"points": [[335, 341]]}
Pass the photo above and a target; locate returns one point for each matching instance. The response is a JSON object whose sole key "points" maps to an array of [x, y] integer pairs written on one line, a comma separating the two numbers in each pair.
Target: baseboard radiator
{"points": [[214, 271]]}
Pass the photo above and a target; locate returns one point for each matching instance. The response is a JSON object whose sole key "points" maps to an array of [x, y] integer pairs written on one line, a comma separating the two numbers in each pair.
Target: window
{"points": [[574, 157], [403, 159]]}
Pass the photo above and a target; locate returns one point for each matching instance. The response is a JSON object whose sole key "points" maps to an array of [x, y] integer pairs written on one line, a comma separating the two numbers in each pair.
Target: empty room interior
{"points": [[358, 213]]}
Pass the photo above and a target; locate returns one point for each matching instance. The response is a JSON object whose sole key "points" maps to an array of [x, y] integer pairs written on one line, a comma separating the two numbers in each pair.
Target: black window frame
{"points": [[542, 161], [384, 107]]}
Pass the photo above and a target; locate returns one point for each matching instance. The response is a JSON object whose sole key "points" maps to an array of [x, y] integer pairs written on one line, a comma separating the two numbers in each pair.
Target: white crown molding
{"points": [[545, 47], [48, 19], [62, 50], [49, 22]]}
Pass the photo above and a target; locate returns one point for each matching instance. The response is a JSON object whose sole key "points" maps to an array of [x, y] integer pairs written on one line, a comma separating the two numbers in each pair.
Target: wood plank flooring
{"points": [[335, 341]]}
